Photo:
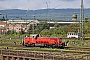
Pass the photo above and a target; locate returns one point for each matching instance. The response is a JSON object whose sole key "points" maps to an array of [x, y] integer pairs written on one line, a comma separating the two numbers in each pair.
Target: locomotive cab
{"points": [[31, 40]]}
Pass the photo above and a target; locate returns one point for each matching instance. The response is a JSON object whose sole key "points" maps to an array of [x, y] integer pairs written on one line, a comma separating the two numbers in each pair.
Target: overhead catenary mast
{"points": [[81, 20], [47, 11]]}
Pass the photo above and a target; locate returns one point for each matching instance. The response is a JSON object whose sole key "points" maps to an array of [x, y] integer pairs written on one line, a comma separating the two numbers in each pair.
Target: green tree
{"points": [[11, 32], [30, 30], [56, 25], [37, 29], [22, 32], [45, 32]]}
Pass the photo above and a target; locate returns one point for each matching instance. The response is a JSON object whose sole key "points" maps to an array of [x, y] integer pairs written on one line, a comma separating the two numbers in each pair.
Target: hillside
{"points": [[43, 14]]}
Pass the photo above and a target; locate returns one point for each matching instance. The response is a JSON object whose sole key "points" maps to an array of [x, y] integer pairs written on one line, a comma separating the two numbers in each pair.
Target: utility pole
{"points": [[81, 20], [47, 11], [33, 23], [48, 16], [6, 24]]}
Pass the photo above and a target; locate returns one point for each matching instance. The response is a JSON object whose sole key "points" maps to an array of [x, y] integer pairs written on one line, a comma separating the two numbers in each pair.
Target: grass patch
{"points": [[9, 47], [78, 43]]}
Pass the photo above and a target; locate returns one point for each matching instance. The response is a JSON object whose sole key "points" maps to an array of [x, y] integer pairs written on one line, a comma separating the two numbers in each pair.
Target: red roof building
{"points": [[2, 26]]}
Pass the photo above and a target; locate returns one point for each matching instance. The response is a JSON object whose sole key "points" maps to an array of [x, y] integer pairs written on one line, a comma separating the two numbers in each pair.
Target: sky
{"points": [[41, 4]]}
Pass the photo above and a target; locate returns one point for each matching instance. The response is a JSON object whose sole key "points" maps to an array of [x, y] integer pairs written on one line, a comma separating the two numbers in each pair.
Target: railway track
{"points": [[69, 54], [19, 46], [78, 48], [45, 55], [77, 38]]}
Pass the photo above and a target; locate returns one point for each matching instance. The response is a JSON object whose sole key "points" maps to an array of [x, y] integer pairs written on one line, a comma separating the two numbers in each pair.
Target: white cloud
{"points": [[68, 0], [40, 4]]}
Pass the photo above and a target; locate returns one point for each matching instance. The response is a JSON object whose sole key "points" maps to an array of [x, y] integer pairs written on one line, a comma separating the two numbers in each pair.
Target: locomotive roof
{"points": [[34, 35]]}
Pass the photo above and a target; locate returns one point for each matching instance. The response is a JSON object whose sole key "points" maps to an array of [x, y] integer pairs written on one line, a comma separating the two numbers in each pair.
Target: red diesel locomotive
{"points": [[36, 39]]}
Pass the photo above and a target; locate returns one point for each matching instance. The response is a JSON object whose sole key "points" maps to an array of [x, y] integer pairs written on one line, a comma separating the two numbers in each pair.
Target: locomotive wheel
{"points": [[61, 47], [33, 45], [53, 46], [47, 46], [26, 45]]}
